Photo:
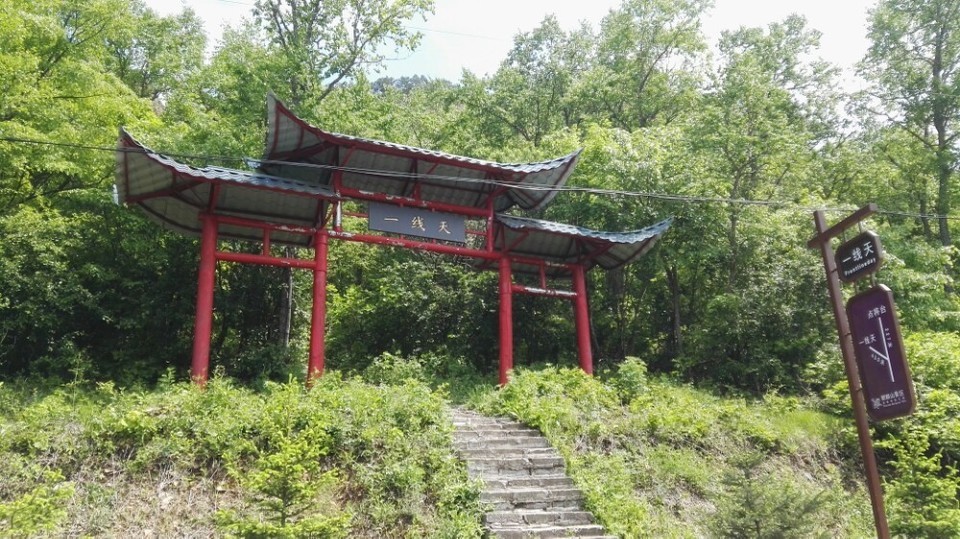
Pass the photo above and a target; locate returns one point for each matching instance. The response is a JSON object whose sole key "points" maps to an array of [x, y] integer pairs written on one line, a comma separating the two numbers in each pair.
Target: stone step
{"points": [[507, 444], [546, 481], [512, 452], [480, 420], [515, 466], [525, 487], [532, 498], [528, 532], [471, 424], [537, 518], [474, 434], [502, 437]]}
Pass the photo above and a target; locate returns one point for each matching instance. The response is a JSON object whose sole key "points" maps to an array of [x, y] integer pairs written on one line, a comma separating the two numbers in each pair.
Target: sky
{"points": [[477, 34]]}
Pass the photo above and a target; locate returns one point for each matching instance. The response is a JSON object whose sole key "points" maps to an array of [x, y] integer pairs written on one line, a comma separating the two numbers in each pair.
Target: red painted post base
{"points": [[506, 320], [318, 318], [200, 362], [582, 319]]}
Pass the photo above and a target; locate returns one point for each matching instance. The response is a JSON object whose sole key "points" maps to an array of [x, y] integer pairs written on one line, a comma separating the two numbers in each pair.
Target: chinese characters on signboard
{"points": [[884, 373], [418, 222], [859, 257]]}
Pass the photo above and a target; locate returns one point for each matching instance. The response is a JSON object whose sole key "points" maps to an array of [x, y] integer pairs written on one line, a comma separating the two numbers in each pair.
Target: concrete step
{"points": [[504, 444], [515, 466], [533, 498], [502, 441], [546, 481], [474, 434], [528, 532], [504, 519], [502, 452]]}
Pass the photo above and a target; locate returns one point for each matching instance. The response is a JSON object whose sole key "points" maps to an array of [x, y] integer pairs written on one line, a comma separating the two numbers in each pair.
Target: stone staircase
{"points": [[525, 486]]}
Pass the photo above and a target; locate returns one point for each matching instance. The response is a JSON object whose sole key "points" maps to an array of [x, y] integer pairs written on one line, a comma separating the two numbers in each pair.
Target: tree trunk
{"points": [[286, 302], [940, 119], [924, 220], [617, 289], [733, 239], [673, 283], [943, 202]]}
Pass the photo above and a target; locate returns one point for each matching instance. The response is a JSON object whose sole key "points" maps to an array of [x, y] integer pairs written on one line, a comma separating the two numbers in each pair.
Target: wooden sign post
{"points": [[822, 241]]}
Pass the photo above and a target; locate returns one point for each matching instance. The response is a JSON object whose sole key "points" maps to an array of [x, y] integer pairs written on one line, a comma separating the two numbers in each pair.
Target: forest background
{"points": [[738, 146]]}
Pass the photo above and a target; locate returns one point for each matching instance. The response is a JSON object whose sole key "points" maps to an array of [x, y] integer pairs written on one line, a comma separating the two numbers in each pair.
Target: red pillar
{"points": [[203, 323], [582, 319], [318, 317], [506, 319]]}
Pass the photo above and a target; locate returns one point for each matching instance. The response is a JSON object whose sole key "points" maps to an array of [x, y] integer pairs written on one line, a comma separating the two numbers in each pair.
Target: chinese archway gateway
{"points": [[309, 180]]}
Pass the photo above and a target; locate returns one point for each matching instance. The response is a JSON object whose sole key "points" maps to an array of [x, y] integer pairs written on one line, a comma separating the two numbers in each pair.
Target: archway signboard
{"points": [[309, 180]]}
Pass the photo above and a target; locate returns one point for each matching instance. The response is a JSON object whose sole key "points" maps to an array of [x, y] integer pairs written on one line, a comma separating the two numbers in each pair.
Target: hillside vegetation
{"points": [[353, 458], [346, 459], [734, 405]]}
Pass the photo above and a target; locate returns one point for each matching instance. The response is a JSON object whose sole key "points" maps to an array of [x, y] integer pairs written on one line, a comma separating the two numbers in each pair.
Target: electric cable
{"points": [[667, 197]]}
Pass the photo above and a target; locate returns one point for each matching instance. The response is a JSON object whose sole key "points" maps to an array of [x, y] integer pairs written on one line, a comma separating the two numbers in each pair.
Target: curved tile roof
{"points": [[396, 169], [568, 244], [175, 194], [296, 191]]}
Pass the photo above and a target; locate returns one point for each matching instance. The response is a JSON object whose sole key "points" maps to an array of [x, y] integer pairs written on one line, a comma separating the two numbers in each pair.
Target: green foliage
{"points": [[923, 494], [912, 67], [55, 89], [393, 370], [757, 504], [631, 379], [285, 483], [322, 43], [153, 54], [33, 499], [555, 400], [344, 459], [934, 359], [408, 305], [70, 277], [655, 467]]}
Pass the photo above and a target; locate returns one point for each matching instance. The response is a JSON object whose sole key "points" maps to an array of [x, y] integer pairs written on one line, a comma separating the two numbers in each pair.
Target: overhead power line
{"points": [[668, 197]]}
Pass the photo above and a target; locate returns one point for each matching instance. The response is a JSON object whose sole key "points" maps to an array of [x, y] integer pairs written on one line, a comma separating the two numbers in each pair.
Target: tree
{"points": [[529, 95], [914, 66], [643, 59], [324, 42], [154, 54], [53, 89], [756, 139], [757, 125], [320, 43]]}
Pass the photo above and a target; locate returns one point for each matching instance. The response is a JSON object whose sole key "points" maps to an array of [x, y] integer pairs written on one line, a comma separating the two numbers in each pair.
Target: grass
{"points": [[656, 458], [371, 456], [179, 461]]}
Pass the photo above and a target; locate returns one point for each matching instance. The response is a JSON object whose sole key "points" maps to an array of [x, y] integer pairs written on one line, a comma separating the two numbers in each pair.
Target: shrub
{"points": [[39, 507], [390, 369], [284, 484], [631, 379], [758, 504], [923, 493]]}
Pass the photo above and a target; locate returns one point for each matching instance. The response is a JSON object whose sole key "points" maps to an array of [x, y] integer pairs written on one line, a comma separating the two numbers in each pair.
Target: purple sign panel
{"points": [[418, 222], [884, 373], [859, 257]]}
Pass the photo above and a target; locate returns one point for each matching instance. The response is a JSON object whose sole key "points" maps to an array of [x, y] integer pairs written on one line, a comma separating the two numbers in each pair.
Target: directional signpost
{"points": [[859, 257], [870, 341], [884, 373]]}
